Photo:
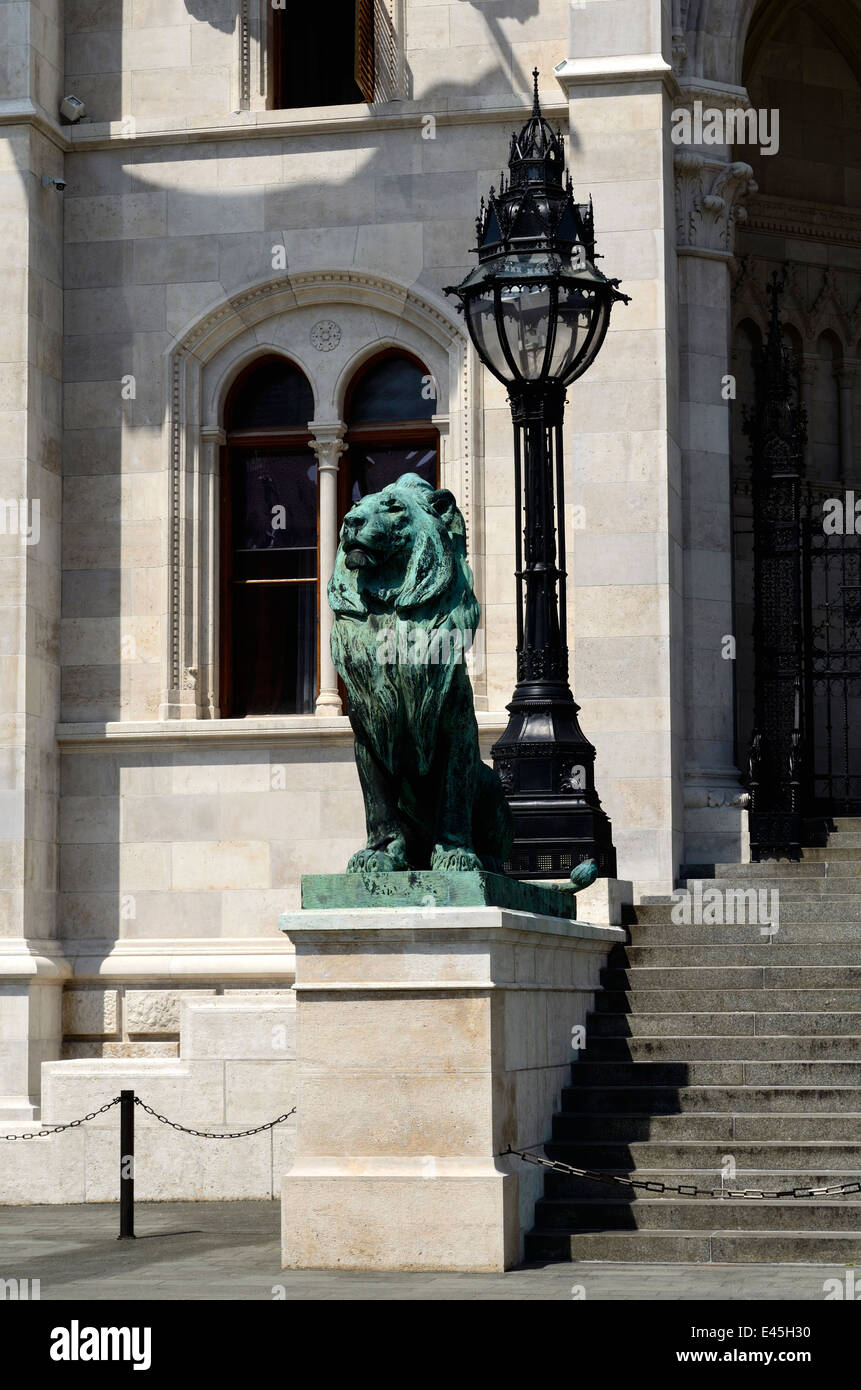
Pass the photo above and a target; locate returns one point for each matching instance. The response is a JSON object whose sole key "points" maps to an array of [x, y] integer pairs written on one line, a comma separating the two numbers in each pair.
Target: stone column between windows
{"points": [[328, 444], [204, 680], [845, 381]]}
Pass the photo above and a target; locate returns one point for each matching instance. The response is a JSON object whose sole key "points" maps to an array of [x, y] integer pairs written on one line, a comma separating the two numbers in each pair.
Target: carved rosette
{"points": [[709, 197]]}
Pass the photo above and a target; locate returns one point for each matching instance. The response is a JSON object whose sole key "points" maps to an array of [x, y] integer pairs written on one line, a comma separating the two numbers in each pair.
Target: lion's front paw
{"points": [[454, 861], [376, 861]]}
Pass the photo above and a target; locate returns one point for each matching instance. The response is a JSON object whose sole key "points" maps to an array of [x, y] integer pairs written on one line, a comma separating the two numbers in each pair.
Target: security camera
{"points": [[48, 181], [73, 109]]}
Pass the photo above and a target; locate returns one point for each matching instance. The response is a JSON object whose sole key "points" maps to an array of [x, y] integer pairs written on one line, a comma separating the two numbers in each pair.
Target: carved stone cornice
{"points": [[709, 193], [805, 221]]}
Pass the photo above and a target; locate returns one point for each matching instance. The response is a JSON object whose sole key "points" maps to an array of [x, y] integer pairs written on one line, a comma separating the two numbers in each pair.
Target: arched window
{"points": [[390, 430], [269, 544]]}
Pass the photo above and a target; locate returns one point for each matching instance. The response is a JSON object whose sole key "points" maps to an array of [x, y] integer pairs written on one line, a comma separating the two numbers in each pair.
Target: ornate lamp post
{"points": [[537, 311]]}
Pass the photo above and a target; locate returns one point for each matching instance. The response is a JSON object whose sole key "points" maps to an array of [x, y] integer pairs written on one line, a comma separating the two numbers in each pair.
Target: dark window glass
{"points": [[375, 467], [272, 395], [275, 649], [273, 595], [276, 503], [269, 545], [395, 388], [315, 54]]}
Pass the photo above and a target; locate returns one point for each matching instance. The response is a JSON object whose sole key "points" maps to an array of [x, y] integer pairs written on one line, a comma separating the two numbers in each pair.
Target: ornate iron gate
{"points": [[805, 755], [832, 649]]}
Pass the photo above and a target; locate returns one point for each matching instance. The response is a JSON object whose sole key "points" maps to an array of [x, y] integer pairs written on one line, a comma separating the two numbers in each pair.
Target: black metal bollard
{"points": [[127, 1165]]}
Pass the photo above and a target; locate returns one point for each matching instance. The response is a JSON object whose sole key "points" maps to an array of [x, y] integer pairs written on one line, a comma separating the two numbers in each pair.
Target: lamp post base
{"points": [[547, 768]]}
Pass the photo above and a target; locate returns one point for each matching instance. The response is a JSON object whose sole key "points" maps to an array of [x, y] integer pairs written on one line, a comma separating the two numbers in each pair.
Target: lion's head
{"points": [[401, 566], [402, 549]]}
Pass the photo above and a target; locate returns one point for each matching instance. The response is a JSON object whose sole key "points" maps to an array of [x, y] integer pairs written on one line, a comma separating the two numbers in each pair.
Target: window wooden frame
{"points": [[290, 441]]}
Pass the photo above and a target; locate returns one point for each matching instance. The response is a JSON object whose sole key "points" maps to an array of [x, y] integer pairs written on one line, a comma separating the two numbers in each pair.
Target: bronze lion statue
{"points": [[405, 613]]}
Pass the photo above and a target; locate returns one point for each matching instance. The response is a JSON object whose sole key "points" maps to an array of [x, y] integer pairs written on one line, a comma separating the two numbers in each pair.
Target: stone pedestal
{"points": [[429, 1039], [605, 901]]}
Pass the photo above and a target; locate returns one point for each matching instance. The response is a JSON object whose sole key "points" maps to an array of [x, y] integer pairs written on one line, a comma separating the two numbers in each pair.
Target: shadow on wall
{"points": [[96, 53]]}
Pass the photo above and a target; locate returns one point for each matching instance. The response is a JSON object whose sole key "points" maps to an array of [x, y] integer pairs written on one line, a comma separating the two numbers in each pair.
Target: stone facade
{"points": [[147, 845]]}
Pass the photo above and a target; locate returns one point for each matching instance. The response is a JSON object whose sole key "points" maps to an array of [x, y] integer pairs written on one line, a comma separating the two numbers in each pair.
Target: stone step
{"points": [[844, 886], [726, 1048], [829, 854], [715, 1023], [674, 1213], [816, 863], [756, 953], [731, 978], [698, 1247], [708, 1041], [770, 1181], [849, 823], [608, 1075], [834, 1160], [729, 1001], [814, 909], [793, 1128], [708, 1099], [768, 869], [663, 932]]}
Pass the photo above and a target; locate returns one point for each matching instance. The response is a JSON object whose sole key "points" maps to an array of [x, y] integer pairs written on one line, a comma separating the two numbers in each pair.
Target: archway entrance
{"points": [[796, 575]]}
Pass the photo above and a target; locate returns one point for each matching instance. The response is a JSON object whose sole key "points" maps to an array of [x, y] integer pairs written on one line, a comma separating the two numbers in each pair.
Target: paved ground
{"points": [[229, 1250]]}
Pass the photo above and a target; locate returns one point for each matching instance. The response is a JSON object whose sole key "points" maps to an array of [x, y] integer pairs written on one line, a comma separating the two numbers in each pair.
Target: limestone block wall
{"points": [[200, 842], [200, 837], [158, 237], [235, 1069], [30, 492], [157, 62], [31, 52]]}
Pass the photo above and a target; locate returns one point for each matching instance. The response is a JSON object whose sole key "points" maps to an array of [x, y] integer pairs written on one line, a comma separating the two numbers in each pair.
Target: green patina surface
{"points": [[405, 615], [430, 888]]}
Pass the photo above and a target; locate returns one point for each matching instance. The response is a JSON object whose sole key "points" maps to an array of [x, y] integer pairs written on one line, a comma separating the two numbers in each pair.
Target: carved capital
{"points": [[709, 194], [328, 442]]}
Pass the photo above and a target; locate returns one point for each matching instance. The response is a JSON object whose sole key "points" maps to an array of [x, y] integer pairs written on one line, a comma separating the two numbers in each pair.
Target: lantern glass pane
{"points": [[482, 325], [576, 309], [599, 316], [526, 321]]}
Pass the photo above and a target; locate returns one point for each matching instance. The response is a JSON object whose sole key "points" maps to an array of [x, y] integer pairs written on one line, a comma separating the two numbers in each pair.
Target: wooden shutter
{"points": [[364, 69], [387, 52]]}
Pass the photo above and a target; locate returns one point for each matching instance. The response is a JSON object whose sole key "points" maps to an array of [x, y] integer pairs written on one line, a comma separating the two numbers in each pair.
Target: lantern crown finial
{"points": [[538, 152]]}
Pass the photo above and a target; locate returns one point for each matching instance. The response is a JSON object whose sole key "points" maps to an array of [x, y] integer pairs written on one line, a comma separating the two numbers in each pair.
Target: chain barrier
{"points": [[211, 1134], [682, 1189], [555, 1164], [201, 1133], [58, 1129]]}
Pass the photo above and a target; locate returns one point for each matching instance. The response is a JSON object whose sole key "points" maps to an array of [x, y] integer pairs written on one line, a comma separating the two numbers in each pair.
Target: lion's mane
{"points": [[435, 593]]}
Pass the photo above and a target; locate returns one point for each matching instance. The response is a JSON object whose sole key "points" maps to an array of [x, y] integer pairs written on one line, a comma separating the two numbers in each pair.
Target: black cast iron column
{"points": [[545, 763]]}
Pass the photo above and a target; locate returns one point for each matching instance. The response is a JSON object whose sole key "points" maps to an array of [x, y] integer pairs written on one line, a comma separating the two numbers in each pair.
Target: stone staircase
{"points": [[716, 1043]]}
